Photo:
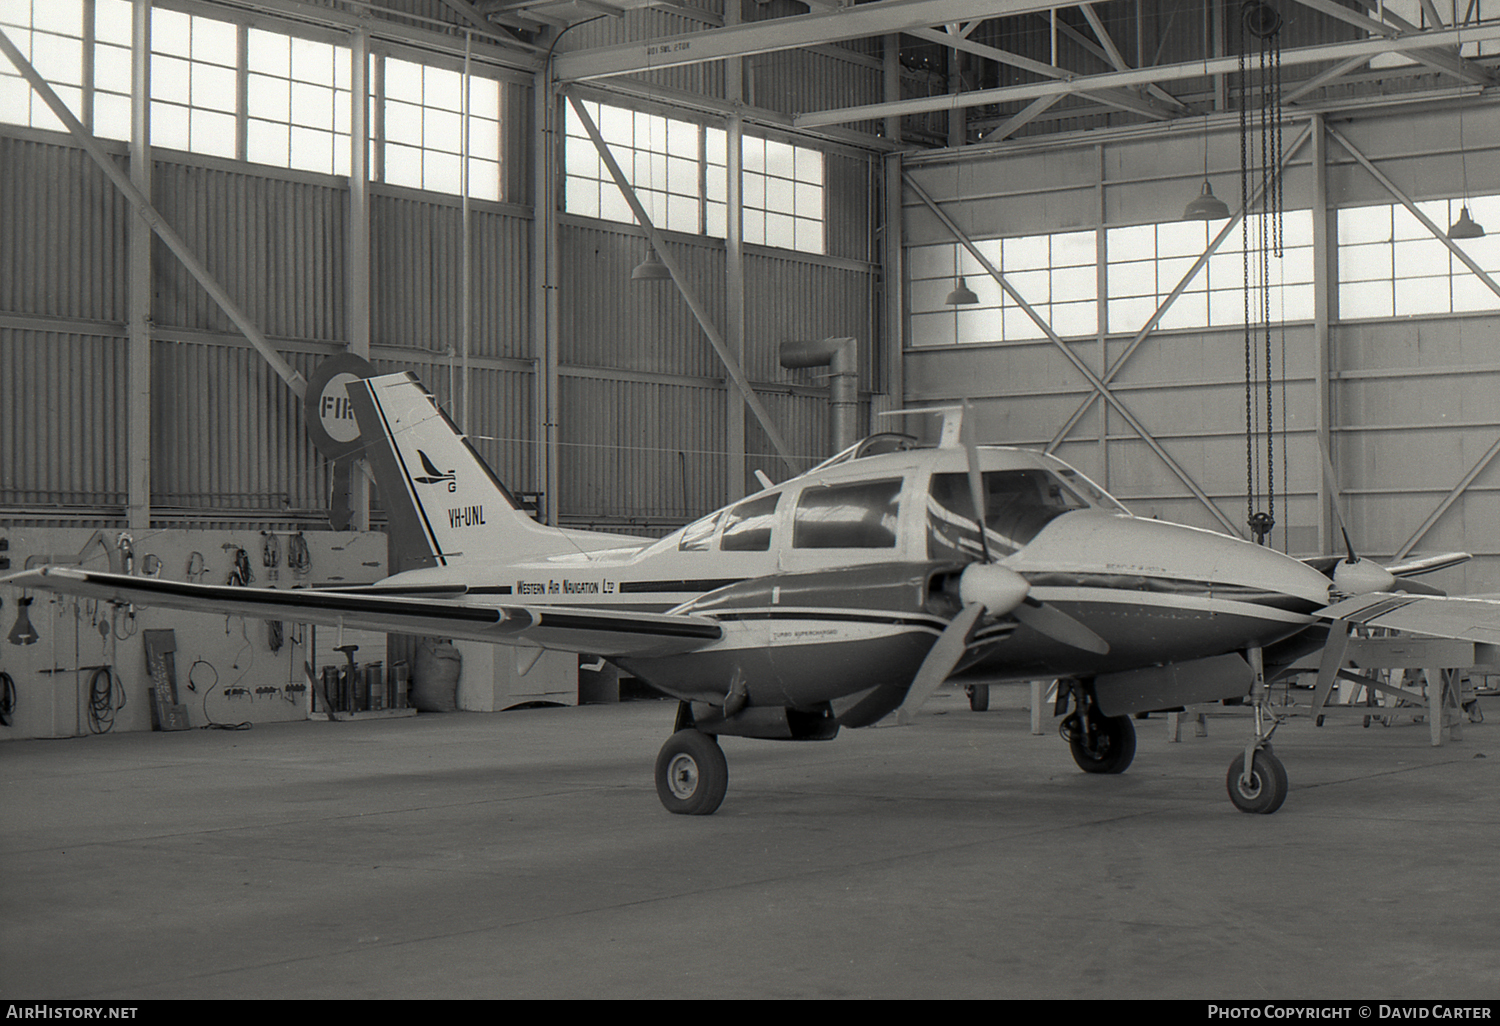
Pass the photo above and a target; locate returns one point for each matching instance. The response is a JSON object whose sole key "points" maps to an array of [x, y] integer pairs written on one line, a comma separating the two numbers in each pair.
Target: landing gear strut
{"points": [[1100, 744]]}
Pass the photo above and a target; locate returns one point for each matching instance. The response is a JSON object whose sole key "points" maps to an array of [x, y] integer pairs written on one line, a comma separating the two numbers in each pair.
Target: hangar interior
{"points": [[454, 187]]}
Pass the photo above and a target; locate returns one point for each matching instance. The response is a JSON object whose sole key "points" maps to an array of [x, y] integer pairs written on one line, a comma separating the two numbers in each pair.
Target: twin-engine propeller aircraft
{"points": [[832, 600]]}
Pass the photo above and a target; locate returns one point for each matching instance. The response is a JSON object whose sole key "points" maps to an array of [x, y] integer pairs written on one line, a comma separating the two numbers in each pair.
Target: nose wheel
{"points": [[1263, 788], [692, 774]]}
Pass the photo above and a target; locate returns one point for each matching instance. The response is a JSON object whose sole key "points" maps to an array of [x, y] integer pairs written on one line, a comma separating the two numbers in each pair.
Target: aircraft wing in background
{"points": [[605, 632], [1464, 618]]}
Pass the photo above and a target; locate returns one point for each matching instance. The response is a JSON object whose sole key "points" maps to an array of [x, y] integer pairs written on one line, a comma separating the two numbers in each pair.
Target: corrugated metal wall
{"points": [[416, 259], [643, 394], [227, 434], [642, 340], [62, 405], [62, 236], [276, 245]]}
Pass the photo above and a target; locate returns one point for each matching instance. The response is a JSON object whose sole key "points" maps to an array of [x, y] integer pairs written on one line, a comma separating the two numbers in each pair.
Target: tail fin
{"points": [[445, 503]]}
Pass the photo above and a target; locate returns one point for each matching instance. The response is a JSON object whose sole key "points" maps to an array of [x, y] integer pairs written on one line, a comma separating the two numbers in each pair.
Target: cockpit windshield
{"points": [[1018, 504]]}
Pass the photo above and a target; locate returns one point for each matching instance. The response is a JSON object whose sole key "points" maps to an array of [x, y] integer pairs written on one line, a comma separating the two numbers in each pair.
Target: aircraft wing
{"points": [[1406, 568], [605, 632], [1461, 618]]}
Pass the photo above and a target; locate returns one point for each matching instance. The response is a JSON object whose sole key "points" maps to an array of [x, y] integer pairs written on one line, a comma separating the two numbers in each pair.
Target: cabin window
{"points": [[747, 527], [858, 515], [1018, 504], [697, 536]]}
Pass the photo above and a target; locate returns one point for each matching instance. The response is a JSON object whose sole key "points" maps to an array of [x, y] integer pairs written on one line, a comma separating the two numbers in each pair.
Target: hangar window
{"points": [[747, 527], [679, 171], [659, 156], [1147, 262], [194, 89], [50, 35], [1055, 274], [1390, 265], [857, 515], [783, 191], [298, 103], [424, 129], [112, 30]]}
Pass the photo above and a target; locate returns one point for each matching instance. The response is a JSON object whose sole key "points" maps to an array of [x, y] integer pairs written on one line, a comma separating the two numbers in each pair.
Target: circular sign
{"points": [[331, 422]]}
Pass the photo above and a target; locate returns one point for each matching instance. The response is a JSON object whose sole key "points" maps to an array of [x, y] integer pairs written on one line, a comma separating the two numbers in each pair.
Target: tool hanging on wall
{"points": [[240, 573], [270, 558], [1260, 25], [298, 558], [23, 633]]}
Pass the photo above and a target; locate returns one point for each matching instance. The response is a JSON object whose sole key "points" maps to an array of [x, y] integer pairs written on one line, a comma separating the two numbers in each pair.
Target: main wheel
{"points": [[1264, 791], [1108, 748], [691, 773], [979, 696]]}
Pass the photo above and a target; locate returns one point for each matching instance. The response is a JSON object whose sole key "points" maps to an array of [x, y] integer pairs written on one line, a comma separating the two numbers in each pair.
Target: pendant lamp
{"points": [[1206, 207], [651, 268], [962, 295]]}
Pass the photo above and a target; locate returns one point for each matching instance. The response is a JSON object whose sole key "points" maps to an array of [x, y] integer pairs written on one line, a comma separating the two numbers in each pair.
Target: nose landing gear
{"points": [[1257, 780]]}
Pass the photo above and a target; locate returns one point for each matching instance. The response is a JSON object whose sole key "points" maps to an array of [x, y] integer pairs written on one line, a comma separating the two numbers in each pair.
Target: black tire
{"points": [[692, 774], [1266, 789], [979, 697], [1112, 750]]}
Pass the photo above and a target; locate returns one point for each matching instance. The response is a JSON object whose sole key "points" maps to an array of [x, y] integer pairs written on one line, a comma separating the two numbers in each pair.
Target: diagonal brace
{"points": [[1289, 152], [1099, 386], [715, 338], [148, 213]]}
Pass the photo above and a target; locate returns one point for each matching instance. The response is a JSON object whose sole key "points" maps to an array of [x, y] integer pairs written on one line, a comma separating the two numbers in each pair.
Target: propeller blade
{"points": [[1354, 576], [944, 656], [1059, 626], [1330, 480], [976, 479]]}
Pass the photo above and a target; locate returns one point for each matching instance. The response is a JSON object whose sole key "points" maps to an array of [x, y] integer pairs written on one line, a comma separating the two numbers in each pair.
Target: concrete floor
{"points": [[524, 854]]}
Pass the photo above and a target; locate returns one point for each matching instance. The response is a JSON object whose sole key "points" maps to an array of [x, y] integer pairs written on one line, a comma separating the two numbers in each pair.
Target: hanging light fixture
{"points": [[1465, 227], [1207, 206], [651, 268], [962, 295]]}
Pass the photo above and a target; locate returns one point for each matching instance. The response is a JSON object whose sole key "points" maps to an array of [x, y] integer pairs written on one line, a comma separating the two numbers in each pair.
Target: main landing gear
{"points": [[691, 773], [1100, 744]]}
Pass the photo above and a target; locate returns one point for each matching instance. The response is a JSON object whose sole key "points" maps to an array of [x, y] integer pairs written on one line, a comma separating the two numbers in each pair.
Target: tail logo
{"points": [[434, 476]]}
